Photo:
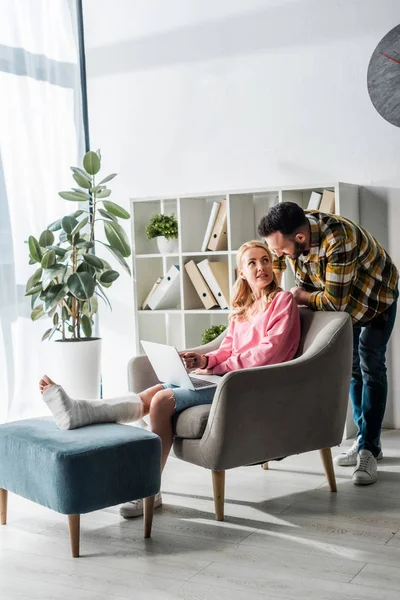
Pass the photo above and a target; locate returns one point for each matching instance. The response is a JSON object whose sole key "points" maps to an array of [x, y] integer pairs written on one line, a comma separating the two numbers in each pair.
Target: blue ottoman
{"points": [[78, 471]]}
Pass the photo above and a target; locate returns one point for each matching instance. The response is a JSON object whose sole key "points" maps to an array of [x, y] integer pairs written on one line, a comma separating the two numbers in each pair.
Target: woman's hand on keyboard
{"points": [[203, 372]]}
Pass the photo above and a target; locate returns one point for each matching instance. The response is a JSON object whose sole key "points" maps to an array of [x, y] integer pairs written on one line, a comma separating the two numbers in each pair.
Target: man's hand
{"points": [[301, 296], [193, 360]]}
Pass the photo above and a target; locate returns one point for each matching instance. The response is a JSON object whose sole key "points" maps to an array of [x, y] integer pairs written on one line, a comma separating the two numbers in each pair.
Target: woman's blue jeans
{"points": [[368, 388]]}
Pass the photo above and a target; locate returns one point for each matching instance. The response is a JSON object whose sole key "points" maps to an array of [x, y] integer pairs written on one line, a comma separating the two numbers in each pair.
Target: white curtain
{"points": [[41, 135]]}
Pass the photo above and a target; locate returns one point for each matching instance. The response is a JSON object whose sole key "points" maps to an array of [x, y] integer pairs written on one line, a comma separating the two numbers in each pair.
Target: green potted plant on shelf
{"points": [[165, 229], [210, 333], [69, 279]]}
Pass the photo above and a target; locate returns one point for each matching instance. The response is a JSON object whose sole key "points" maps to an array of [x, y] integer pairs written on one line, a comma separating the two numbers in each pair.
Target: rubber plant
{"points": [[69, 278]]}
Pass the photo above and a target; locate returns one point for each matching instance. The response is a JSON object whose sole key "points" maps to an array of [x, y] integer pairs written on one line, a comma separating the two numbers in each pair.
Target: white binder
{"points": [[216, 275], [210, 225], [167, 293]]}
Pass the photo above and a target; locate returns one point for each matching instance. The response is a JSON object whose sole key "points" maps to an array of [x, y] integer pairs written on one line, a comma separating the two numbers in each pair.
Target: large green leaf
{"points": [[48, 259], [117, 237], [119, 258], [108, 178], [109, 276], [55, 226], [49, 275], [34, 249], [97, 188], [46, 238], [91, 163], [34, 279], [93, 260], [86, 325], [84, 267], [81, 172], [58, 250], [37, 313], [107, 215], [81, 285], [103, 194], [90, 307], [54, 295], [75, 196], [34, 297], [116, 209], [34, 290], [46, 334], [69, 224], [80, 225], [82, 181]]}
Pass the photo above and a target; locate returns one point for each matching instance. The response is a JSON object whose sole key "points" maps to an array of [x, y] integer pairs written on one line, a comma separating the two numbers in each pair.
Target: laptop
{"points": [[169, 368]]}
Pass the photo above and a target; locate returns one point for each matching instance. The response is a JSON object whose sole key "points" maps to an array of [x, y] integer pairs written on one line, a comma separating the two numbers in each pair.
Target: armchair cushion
{"points": [[191, 423]]}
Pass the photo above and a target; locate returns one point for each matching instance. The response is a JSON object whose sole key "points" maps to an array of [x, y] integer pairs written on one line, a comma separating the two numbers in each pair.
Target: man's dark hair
{"points": [[286, 217]]}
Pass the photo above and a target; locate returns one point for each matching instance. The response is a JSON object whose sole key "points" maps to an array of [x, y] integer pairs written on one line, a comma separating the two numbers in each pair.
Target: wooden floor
{"points": [[285, 536]]}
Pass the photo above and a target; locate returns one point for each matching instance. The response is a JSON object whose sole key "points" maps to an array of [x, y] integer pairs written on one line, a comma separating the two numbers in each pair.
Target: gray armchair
{"points": [[265, 413]]}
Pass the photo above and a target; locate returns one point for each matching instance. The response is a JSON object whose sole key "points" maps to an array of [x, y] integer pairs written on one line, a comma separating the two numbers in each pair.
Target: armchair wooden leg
{"points": [[265, 466], [218, 478], [74, 533], [3, 506], [148, 506], [326, 456]]}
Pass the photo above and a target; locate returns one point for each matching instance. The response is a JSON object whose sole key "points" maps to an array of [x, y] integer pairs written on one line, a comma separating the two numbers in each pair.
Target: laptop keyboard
{"points": [[199, 383]]}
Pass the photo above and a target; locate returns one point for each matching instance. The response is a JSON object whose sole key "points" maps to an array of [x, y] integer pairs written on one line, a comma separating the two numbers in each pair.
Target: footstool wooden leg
{"points": [[148, 505], [74, 532], [3, 506]]}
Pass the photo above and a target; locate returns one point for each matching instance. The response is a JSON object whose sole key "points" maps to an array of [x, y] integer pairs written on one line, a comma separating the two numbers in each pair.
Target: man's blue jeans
{"points": [[368, 388]]}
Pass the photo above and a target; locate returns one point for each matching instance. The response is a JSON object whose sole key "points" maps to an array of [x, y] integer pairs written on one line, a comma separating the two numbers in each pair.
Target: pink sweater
{"points": [[268, 338]]}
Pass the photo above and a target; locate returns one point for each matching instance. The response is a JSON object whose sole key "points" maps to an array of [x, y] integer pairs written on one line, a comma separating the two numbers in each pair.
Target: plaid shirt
{"points": [[347, 266]]}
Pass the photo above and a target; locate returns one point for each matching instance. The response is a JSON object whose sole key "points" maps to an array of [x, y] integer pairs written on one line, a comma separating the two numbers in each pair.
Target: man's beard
{"points": [[299, 248]]}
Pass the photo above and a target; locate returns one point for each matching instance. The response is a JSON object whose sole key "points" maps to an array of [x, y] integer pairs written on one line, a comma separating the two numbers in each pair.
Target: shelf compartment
{"points": [[246, 211], [195, 213]]}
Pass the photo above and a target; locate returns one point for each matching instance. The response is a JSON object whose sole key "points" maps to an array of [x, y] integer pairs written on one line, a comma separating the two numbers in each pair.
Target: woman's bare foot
{"points": [[45, 383]]}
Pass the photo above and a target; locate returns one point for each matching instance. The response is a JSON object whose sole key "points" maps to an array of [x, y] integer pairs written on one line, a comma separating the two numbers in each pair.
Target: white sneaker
{"points": [[134, 508], [349, 458], [366, 472]]}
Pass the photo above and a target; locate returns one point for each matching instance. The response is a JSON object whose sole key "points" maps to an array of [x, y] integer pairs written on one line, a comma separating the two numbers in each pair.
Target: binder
{"points": [[219, 238], [314, 201], [327, 204], [167, 293], [216, 275], [146, 300], [200, 285], [210, 225]]}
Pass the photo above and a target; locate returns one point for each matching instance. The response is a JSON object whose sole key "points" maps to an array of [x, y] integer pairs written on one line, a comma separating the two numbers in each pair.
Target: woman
{"points": [[264, 329]]}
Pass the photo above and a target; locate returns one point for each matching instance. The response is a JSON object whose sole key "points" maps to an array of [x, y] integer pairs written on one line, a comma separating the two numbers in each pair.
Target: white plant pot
{"points": [[167, 246], [76, 365]]}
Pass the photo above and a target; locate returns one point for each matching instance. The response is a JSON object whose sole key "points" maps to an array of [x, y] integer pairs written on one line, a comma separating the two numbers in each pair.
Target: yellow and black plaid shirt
{"points": [[346, 269]]}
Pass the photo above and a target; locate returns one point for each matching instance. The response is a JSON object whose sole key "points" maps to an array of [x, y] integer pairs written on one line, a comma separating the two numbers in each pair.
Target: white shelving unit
{"points": [[183, 325]]}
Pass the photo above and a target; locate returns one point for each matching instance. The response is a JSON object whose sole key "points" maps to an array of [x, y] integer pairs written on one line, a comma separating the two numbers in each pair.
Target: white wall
{"points": [[196, 95]]}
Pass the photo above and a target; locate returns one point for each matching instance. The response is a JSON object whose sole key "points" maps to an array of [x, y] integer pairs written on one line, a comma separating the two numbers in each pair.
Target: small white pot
{"points": [[167, 246], [76, 365]]}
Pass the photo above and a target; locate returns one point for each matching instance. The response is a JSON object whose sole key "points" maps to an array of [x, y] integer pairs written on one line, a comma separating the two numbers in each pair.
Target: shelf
{"points": [[158, 255], [212, 311], [184, 326], [209, 253], [164, 311]]}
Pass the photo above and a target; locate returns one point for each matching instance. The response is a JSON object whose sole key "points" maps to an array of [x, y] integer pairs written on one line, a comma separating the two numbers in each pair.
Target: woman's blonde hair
{"points": [[242, 295]]}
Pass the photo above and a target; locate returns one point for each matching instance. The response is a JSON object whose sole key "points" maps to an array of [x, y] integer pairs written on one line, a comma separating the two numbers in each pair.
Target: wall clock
{"points": [[383, 78]]}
